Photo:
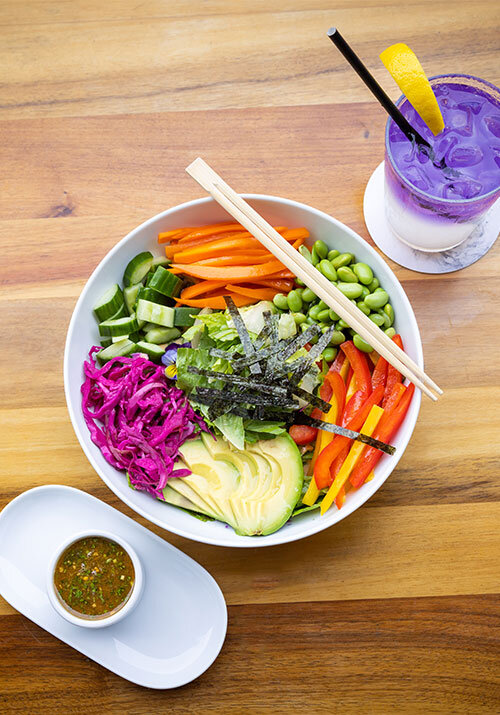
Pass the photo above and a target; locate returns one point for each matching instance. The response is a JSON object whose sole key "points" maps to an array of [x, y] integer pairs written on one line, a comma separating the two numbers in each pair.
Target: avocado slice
{"points": [[254, 490]]}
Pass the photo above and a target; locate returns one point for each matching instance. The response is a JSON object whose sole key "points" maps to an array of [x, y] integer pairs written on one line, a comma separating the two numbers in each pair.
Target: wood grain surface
{"points": [[102, 105]]}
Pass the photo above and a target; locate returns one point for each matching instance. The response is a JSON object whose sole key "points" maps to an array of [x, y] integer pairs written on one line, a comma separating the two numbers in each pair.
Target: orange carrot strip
{"points": [[174, 248], [257, 293], [210, 229], [237, 259], [215, 248], [200, 288], [217, 302], [229, 273], [174, 235], [293, 233]]}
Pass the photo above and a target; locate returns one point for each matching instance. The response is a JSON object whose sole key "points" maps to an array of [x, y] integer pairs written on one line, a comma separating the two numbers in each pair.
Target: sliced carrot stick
{"points": [[216, 248], [174, 235], [257, 293], [174, 248], [230, 273], [201, 288], [291, 234], [217, 302], [210, 229], [238, 259]]}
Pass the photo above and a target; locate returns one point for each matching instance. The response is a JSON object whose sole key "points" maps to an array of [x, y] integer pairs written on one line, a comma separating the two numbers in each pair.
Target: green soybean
{"points": [[304, 251], [310, 321], [280, 301], [333, 315], [342, 260], [314, 312], [337, 338], [374, 284], [308, 296], [346, 275], [364, 292], [299, 282], [330, 354], [342, 325], [361, 344], [333, 254], [304, 326], [364, 273], [350, 290], [363, 307], [377, 300], [324, 315], [377, 319], [321, 249], [294, 301], [324, 327], [315, 258], [389, 311], [322, 305], [328, 270], [299, 318], [390, 332]]}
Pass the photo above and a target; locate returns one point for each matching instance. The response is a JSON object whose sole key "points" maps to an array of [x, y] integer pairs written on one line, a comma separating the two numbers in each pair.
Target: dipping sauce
{"points": [[94, 577]]}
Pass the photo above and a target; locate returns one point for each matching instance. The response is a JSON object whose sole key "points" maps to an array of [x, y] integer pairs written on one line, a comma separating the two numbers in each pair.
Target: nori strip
{"points": [[298, 342], [359, 436], [313, 400], [250, 397], [215, 352], [265, 332], [241, 380], [242, 331]]}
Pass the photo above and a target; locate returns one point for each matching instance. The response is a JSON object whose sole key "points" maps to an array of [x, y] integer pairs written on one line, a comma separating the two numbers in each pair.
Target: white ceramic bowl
{"points": [[82, 334], [103, 621]]}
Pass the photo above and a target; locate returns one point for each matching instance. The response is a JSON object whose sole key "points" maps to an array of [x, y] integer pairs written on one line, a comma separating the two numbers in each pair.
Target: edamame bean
{"points": [[299, 318], [294, 301], [333, 315], [377, 319], [346, 275], [333, 254], [389, 311], [328, 270], [324, 327], [304, 251], [308, 296], [280, 301], [310, 321], [363, 307], [378, 290], [361, 344], [321, 249], [322, 305], [314, 312], [374, 284], [337, 338], [315, 258], [324, 315], [377, 300], [299, 282], [390, 332], [330, 354], [350, 290], [364, 292], [342, 260], [364, 273], [342, 325]]}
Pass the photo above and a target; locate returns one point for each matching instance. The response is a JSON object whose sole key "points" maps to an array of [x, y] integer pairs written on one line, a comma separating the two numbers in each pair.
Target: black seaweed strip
{"points": [[240, 380], [298, 342], [313, 400], [242, 331], [359, 436], [247, 397], [265, 332], [246, 361], [313, 355], [215, 352]]}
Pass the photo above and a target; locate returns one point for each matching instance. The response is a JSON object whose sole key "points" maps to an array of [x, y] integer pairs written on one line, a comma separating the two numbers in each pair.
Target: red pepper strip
{"points": [[349, 375], [331, 451], [393, 375], [397, 393], [387, 428], [379, 374], [340, 498], [334, 470], [359, 365], [338, 362], [353, 406]]}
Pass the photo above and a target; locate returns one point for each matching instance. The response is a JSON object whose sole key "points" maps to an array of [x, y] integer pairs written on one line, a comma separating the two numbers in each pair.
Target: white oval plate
{"points": [[178, 627]]}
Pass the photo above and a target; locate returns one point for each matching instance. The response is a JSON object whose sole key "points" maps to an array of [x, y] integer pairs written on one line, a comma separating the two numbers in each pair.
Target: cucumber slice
{"points": [[147, 293], [137, 268], [109, 303], [160, 261], [154, 313], [130, 294], [106, 342], [124, 347], [162, 335], [165, 282], [183, 318], [134, 337], [152, 351], [119, 326]]}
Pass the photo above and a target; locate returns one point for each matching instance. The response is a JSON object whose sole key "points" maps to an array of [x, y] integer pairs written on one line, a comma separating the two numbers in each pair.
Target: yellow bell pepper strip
{"points": [[351, 388], [370, 476], [368, 428], [344, 369]]}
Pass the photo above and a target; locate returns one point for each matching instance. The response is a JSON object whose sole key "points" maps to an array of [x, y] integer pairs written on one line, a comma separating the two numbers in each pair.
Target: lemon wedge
{"points": [[409, 75]]}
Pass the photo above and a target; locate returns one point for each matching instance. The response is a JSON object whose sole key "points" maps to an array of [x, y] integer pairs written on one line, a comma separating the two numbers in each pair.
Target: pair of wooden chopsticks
{"points": [[313, 279]]}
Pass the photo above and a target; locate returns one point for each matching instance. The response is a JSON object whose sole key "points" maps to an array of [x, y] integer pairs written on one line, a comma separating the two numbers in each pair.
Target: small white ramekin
{"points": [[102, 621]]}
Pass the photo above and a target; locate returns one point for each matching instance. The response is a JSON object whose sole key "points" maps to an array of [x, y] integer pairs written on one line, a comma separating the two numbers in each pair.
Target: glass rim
{"points": [[414, 189]]}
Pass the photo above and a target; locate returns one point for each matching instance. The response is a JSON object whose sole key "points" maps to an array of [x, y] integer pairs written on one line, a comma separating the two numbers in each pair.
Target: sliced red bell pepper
{"points": [[397, 393], [338, 362], [393, 375], [328, 455], [353, 406], [387, 428], [359, 364], [303, 434], [379, 374], [334, 470]]}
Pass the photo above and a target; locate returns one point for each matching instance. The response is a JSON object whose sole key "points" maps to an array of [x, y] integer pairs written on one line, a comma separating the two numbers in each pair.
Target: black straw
{"points": [[376, 89]]}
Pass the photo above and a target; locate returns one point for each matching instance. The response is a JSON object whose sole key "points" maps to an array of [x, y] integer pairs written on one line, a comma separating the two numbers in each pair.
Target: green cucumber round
{"points": [[109, 303], [119, 326], [137, 268]]}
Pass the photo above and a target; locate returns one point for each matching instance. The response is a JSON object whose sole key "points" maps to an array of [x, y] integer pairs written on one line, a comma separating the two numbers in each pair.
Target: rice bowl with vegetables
{"points": [[252, 404]]}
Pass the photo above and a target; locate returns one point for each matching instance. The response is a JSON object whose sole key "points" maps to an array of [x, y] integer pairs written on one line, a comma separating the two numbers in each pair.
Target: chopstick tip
{"points": [[331, 31]]}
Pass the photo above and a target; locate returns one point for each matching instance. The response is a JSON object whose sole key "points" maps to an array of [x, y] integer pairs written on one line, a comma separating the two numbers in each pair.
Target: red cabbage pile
{"points": [[138, 419]]}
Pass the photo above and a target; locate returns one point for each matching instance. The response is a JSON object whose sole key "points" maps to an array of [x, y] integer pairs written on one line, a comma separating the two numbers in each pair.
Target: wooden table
{"points": [[102, 106]]}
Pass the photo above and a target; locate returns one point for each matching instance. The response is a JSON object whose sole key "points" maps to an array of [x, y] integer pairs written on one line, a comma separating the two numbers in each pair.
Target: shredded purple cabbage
{"points": [[138, 419]]}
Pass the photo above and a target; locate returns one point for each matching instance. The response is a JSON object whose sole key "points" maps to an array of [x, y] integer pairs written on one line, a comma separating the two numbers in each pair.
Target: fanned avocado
{"points": [[254, 490]]}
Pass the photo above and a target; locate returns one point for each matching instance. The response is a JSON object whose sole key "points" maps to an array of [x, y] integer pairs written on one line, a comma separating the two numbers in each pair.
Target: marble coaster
{"points": [[470, 251]]}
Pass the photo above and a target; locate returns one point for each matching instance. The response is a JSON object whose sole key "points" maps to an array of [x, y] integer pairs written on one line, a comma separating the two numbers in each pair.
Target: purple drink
{"points": [[427, 208]]}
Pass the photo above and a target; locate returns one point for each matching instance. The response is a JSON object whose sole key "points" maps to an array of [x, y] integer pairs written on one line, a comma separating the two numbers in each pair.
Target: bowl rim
{"points": [[280, 536], [132, 599]]}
